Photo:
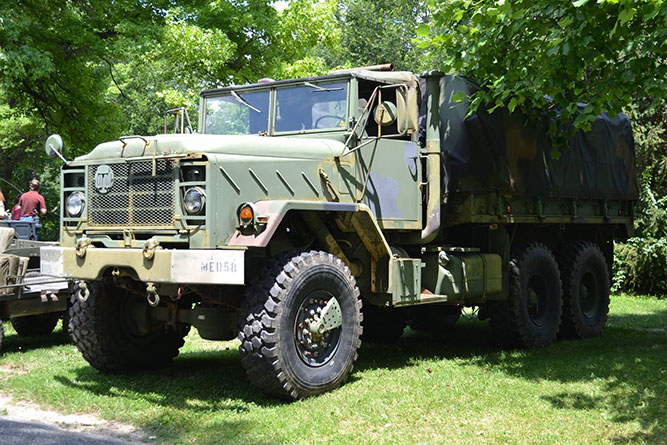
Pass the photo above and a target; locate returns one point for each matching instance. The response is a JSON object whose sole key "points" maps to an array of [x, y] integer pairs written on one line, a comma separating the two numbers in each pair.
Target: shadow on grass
{"points": [[629, 363], [199, 383], [16, 343], [195, 381], [630, 366], [656, 321]]}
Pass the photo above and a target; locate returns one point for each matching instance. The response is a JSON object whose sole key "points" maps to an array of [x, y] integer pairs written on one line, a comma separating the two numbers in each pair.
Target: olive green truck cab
{"points": [[308, 215]]}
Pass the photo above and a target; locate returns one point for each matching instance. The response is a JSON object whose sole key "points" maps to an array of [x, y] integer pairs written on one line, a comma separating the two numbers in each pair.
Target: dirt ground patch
{"points": [[84, 423]]}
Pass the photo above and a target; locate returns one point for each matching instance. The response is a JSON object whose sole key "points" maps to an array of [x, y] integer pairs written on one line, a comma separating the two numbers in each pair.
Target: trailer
{"points": [[31, 301]]}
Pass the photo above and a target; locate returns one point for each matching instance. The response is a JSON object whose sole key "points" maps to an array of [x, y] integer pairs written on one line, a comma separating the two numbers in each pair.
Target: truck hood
{"points": [[251, 145]]}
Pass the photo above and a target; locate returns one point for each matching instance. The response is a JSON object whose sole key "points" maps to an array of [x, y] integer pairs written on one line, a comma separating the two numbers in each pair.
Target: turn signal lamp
{"points": [[246, 215]]}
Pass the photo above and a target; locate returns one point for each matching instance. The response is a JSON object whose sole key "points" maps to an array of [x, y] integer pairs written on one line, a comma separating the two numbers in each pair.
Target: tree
{"points": [[554, 52], [310, 38], [93, 70], [382, 31]]}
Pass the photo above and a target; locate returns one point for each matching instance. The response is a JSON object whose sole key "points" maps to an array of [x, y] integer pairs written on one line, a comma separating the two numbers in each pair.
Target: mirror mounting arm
{"points": [[65, 161]]}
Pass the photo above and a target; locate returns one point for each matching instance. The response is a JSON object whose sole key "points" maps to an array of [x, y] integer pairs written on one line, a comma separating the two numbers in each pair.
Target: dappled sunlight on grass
{"points": [[459, 387]]}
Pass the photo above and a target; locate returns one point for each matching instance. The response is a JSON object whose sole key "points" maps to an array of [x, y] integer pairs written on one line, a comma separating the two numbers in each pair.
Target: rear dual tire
{"points": [[585, 290], [531, 316]]}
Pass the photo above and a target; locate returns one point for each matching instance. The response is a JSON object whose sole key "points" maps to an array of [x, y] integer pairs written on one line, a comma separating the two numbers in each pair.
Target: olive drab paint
{"points": [[423, 201]]}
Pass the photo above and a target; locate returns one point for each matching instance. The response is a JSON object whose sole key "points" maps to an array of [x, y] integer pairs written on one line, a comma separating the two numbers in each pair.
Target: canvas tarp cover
{"points": [[506, 152]]}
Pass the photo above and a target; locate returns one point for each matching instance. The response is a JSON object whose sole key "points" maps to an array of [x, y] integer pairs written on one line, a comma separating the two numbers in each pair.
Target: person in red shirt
{"points": [[32, 203]]}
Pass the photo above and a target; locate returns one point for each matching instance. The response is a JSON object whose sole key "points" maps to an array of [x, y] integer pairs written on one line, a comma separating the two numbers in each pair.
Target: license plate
{"points": [[207, 266]]}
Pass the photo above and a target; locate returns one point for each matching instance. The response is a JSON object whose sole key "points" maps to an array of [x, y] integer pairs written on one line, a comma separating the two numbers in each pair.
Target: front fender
{"points": [[360, 218]]}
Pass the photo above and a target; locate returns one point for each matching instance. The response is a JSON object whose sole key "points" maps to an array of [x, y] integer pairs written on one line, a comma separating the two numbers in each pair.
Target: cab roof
{"points": [[388, 77]]}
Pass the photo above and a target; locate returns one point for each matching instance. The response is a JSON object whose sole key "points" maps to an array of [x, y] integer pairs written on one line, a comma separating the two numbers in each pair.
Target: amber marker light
{"points": [[246, 214]]}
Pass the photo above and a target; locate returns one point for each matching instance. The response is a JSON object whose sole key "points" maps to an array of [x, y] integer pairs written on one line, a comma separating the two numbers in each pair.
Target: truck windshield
{"points": [[240, 113], [309, 107]]}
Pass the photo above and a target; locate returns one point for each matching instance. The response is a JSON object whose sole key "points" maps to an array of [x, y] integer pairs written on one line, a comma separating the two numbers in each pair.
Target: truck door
{"points": [[384, 173]]}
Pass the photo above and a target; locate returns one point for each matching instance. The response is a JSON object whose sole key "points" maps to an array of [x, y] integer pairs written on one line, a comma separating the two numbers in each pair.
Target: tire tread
{"points": [[262, 305]]}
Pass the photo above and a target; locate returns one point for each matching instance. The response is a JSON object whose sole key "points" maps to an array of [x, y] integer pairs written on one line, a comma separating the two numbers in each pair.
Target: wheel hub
{"points": [[536, 300], [317, 328], [589, 295]]}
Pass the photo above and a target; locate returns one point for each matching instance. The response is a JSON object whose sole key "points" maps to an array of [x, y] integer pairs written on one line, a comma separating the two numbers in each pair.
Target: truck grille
{"points": [[136, 198]]}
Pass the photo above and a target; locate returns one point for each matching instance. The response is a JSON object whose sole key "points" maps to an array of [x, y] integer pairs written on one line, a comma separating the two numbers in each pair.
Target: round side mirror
{"points": [[53, 146], [385, 113]]}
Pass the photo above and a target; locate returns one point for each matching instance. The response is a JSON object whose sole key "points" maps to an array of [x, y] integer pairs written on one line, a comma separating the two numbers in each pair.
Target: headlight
{"points": [[194, 200], [75, 204]]}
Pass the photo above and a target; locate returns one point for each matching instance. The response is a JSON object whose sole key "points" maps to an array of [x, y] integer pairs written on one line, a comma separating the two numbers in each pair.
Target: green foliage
{"points": [[93, 71], [382, 31], [641, 263], [603, 53], [649, 126], [55, 62], [310, 38], [640, 266]]}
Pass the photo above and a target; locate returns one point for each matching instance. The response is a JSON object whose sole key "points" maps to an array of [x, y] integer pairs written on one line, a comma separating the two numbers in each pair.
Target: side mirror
{"points": [[54, 146], [407, 110]]}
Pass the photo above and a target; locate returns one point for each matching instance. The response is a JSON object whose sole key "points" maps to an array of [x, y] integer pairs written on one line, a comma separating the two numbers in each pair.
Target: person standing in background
{"points": [[31, 203]]}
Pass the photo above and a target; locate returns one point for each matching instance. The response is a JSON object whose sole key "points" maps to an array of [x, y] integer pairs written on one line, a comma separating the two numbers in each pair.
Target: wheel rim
{"points": [[537, 300], [589, 294], [314, 350]]}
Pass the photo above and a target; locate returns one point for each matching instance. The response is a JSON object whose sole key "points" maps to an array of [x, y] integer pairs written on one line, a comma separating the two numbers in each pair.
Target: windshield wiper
{"points": [[319, 88], [244, 102]]}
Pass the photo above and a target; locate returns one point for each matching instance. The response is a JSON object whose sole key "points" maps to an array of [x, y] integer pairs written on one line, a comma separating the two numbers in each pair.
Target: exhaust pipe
{"points": [[433, 157], [382, 67]]}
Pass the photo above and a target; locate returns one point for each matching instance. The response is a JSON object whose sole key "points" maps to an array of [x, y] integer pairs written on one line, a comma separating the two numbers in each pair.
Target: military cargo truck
{"points": [[308, 212]]}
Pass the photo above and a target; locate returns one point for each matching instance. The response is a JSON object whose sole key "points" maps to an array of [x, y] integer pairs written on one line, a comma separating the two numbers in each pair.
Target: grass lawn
{"points": [[458, 388]]}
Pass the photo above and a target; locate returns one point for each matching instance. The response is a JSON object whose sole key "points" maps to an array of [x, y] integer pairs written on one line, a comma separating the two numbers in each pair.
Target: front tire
{"points": [[585, 290], [31, 325], [279, 357], [531, 316], [114, 333]]}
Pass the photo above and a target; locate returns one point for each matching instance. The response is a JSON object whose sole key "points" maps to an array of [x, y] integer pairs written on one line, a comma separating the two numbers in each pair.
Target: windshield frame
{"points": [[272, 88]]}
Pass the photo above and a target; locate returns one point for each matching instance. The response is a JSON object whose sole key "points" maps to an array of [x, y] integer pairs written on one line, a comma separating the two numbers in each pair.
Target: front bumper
{"points": [[196, 266]]}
